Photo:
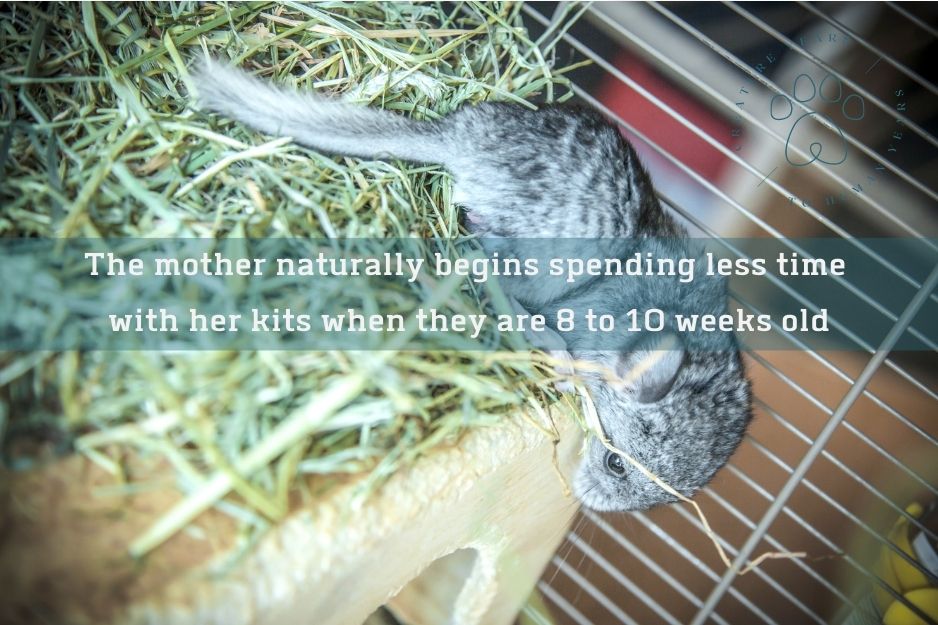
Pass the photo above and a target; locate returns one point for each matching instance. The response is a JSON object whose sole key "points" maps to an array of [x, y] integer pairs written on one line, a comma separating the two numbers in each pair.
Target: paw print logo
{"points": [[831, 149]]}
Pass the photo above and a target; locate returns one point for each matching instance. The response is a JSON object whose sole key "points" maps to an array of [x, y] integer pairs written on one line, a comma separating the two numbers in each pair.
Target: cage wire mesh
{"points": [[842, 443]]}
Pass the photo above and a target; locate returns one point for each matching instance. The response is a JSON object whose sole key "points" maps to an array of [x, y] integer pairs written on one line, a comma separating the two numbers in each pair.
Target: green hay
{"points": [[99, 140]]}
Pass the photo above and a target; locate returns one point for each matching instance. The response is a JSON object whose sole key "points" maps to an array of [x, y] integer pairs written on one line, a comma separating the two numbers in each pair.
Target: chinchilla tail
{"points": [[317, 121]]}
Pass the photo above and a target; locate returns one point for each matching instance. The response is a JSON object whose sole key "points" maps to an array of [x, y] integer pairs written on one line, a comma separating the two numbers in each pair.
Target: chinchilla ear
{"points": [[649, 371]]}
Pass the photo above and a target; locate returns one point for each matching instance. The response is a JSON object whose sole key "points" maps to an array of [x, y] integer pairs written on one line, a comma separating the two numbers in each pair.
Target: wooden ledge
{"points": [[493, 501]]}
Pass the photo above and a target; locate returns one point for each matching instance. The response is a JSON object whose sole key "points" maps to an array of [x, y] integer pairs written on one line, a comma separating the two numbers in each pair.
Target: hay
{"points": [[98, 140]]}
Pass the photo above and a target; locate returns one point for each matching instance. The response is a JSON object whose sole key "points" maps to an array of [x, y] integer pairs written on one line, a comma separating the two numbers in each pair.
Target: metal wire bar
{"points": [[713, 189], [866, 527], [847, 470], [788, 43], [895, 413], [693, 520], [823, 437], [640, 555], [625, 79], [898, 415], [829, 365], [817, 357], [912, 18], [755, 121], [886, 542], [719, 193], [839, 372], [594, 592], [903, 373], [588, 52], [866, 44], [768, 496], [775, 544], [615, 535], [910, 424], [771, 86], [806, 525], [559, 600], [623, 581], [775, 233], [914, 381], [703, 568], [823, 407], [774, 279], [847, 425], [875, 578]]}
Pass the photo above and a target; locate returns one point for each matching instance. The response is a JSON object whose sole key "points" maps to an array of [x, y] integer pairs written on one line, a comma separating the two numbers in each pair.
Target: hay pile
{"points": [[99, 140]]}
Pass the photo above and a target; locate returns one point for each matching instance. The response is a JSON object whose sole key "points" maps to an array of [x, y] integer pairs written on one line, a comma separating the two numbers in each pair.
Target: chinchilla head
{"points": [[680, 413]]}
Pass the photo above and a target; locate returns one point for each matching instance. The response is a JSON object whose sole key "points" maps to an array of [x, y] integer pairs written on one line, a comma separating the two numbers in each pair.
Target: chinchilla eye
{"points": [[614, 463]]}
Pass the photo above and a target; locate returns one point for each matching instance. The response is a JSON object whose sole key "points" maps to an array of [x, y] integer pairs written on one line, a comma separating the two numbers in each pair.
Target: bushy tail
{"points": [[317, 121]]}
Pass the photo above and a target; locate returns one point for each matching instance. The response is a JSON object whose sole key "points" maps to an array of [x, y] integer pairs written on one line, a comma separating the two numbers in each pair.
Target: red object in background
{"points": [[658, 125]]}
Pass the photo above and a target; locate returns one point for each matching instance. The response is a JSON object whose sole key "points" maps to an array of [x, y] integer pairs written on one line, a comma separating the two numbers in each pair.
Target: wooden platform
{"points": [[461, 537]]}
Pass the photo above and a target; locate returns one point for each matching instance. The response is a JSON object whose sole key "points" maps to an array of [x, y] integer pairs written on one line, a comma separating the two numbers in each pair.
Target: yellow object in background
{"points": [[905, 578], [925, 599]]}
